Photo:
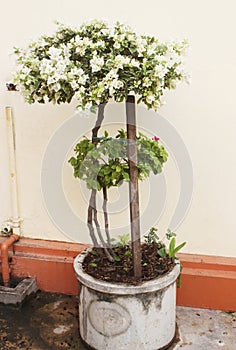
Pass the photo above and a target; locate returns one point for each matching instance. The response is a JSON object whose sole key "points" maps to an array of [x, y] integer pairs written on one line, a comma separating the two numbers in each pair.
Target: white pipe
{"points": [[15, 218]]}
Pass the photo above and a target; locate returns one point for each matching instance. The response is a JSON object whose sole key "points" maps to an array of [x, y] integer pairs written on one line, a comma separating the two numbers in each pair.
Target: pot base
{"points": [[175, 340]]}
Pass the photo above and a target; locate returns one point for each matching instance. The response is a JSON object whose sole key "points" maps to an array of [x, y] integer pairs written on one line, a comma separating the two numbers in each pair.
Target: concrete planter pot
{"points": [[118, 316]]}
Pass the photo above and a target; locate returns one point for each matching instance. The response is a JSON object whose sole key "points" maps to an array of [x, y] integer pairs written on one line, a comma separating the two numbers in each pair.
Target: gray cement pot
{"points": [[126, 317]]}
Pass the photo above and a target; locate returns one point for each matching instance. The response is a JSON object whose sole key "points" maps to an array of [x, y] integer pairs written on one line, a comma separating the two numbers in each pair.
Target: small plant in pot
{"points": [[127, 288]]}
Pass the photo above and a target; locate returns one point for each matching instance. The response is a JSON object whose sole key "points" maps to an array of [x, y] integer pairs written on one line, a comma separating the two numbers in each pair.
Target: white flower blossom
{"points": [[160, 71], [151, 49], [46, 66], [74, 84], [180, 69], [112, 74], [78, 39], [80, 50], [88, 105], [160, 58], [141, 46], [104, 69], [120, 61], [54, 53], [73, 72], [51, 80], [172, 58], [110, 32], [114, 85], [100, 44], [96, 63], [56, 87], [66, 50], [87, 42], [134, 63], [150, 99], [25, 70], [156, 104], [116, 45], [41, 42], [82, 79], [146, 82], [105, 31]]}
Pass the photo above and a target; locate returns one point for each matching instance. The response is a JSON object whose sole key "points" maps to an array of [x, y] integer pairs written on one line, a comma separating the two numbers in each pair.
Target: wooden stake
{"points": [[133, 186]]}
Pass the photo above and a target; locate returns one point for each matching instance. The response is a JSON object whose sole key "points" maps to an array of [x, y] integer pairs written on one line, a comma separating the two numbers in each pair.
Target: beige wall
{"points": [[202, 113]]}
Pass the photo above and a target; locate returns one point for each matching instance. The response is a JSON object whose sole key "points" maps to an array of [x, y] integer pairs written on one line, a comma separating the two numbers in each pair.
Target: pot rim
{"points": [[122, 288]]}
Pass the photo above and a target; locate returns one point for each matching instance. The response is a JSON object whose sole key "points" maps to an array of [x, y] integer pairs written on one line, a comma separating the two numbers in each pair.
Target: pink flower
{"points": [[155, 138]]}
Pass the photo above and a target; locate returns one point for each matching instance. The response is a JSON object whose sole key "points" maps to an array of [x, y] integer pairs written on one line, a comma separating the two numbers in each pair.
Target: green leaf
{"points": [[94, 252], [172, 247], [126, 176], [124, 239], [93, 265], [162, 252], [128, 253], [72, 161], [170, 234], [116, 258], [179, 247]]}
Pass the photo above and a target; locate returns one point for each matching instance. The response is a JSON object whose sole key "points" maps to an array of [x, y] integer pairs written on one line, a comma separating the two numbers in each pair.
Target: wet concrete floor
{"points": [[49, 322]]}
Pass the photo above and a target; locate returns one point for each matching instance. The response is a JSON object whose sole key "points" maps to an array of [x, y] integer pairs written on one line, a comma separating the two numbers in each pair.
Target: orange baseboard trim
{"points": [[50, 262], [207, 281]]}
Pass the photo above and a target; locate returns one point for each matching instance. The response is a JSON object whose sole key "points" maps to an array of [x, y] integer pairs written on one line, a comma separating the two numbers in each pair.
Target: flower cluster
{"points": [[95, 63]]}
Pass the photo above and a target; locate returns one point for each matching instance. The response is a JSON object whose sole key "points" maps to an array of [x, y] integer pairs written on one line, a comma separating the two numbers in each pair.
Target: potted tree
{"points": [[127, 288]]}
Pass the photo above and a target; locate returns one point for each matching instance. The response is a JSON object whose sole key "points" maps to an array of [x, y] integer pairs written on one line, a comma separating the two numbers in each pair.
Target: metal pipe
{"points": [[15, 218], [5, 258]]}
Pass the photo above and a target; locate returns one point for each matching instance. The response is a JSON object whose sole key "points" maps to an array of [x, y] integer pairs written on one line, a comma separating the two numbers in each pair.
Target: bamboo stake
{"points": [[133, 186]]}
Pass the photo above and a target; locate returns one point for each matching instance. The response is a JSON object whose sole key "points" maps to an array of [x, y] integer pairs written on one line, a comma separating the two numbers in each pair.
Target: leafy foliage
{"points": [[106, 163], [162, 250], [124, 240], [173, 250], [152, 237]]}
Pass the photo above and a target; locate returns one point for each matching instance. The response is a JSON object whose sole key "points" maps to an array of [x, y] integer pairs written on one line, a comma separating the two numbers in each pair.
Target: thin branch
{"points": [[90, 218], [92, 211], [104, 244], [98, 123], [104, 207]]}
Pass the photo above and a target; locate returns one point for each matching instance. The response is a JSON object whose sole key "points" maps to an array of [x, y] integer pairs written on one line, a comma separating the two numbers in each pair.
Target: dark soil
{"points": [[97, 264]]}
